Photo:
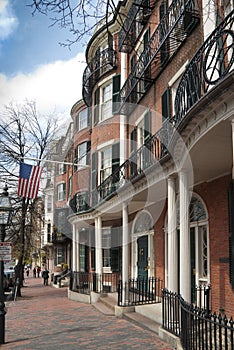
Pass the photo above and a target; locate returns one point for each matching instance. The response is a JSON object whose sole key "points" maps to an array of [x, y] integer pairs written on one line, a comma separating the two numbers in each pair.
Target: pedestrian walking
{"points": [[38, 271], [45, 276], [34, 272], [27, 271]]}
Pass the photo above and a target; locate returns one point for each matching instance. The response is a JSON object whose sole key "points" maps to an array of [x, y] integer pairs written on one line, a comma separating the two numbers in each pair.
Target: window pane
{"points": [[83, 119], [82, 151]]}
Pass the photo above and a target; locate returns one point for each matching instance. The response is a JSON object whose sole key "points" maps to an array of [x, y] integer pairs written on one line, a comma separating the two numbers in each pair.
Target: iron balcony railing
{"points": [[196, 326], [136, 18], [181, 17], [103, 62], [213, 62], [80, 202], [140, 291], [156, 149], [87, 282]]}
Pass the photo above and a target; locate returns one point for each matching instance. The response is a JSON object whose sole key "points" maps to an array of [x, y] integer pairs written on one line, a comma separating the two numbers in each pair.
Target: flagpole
{"points": [[55, 161]]}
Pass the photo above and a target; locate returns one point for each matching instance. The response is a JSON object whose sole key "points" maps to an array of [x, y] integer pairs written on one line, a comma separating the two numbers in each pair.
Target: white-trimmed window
{"points": [[105, 164], [106, 244], [49, 203], [61, 191], [82, 119], [81, 152], [61, 168], [106, 101]]}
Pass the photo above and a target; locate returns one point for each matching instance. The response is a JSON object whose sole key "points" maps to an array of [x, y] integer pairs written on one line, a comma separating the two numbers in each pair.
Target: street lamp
{"points": [[5, 217]]}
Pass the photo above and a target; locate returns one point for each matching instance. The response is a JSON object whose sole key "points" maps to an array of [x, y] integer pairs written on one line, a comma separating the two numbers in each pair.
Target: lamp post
{"points": [[5, 217]]}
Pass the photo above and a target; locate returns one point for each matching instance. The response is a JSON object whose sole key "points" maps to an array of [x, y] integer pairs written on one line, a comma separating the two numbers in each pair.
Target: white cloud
{"points": [[55, 86], [8, 21]]}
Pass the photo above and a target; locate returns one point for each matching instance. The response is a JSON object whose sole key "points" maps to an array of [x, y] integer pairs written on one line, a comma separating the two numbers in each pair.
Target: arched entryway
{"points": [[142, 246]]}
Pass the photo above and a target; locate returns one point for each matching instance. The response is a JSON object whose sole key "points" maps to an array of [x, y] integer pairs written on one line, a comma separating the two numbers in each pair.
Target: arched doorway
{"points": [[142, 246]]}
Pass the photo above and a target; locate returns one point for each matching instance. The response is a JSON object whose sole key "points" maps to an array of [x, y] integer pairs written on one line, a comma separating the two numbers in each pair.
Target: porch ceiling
{"points": [[211, 156]]}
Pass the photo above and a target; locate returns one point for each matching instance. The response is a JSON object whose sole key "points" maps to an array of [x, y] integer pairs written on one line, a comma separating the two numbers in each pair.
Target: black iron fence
{"points": [[140, 291], [196, 326], [85, 282]]}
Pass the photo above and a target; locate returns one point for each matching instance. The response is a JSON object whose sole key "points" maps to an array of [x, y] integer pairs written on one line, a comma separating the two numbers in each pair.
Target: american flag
{"points": [[29, 180]]}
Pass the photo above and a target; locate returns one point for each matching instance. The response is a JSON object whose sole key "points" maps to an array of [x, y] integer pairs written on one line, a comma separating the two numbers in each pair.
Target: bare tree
{"points": [[79, 17], [23, 133]]}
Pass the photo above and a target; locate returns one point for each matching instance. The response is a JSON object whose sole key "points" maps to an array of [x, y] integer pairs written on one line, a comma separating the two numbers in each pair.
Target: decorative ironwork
{"points": [[180, 19], [85, 282], [80, 202], [135, 20], [149, 154], [213, 62], [140, 291], [191, 88], [102, 63], [196, 326]]}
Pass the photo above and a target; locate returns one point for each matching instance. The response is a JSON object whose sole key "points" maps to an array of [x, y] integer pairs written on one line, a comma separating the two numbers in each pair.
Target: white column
{"points": [[77, 249], [185, 260], [123, 118], [172, 237], [123, 68], [125, 247], [98, 245], [73, 247]]}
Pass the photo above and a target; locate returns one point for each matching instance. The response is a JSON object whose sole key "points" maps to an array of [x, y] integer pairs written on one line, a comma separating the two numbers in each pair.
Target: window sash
{"points": [[61, 192], [83, 119], [82, 153]]}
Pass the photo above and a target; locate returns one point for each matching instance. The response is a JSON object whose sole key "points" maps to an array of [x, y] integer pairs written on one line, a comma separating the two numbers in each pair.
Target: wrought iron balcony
{"points": [[136, 18], [102, 63], [181, 17], [209, 66], [80, 202], [213, 62]]}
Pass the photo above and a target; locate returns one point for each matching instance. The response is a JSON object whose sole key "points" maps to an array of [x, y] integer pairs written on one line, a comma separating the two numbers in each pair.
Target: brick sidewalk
{"points": [[43, 318]]}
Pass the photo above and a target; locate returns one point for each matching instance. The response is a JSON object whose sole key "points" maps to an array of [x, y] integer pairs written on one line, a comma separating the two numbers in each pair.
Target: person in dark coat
{"points": [[38, 271], [45, 276]]}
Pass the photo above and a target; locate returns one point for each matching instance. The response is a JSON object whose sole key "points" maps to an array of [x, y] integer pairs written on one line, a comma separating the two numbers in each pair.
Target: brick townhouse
{"points": [[151, 196]]}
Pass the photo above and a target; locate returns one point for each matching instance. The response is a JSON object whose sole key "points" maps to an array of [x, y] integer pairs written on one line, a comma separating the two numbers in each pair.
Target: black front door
{"points": [[142, 262]]}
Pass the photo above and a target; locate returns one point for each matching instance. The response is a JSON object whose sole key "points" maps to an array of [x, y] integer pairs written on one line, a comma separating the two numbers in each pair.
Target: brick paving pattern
{"points": [[43, 318]]}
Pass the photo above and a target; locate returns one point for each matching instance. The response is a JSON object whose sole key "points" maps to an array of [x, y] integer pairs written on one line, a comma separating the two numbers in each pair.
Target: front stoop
{"points": [[107, 304], [145, 316], [142, 321]]}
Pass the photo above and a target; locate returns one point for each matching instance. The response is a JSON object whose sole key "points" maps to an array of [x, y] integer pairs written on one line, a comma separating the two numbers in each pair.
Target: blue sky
{"points": [[32, 63]]}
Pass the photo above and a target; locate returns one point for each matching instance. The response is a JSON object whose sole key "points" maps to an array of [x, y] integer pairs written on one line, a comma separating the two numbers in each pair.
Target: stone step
{"points": [[142, 321], [104, 309]]}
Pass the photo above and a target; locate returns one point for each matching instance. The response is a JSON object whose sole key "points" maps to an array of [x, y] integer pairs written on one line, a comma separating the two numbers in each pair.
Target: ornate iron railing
{"points": [[85, 282], [160, 145], [136, 18], [171, 308], [103, 62], [140, 291], [181, 17], [213, 62], [196, 326], [156, 149]]}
